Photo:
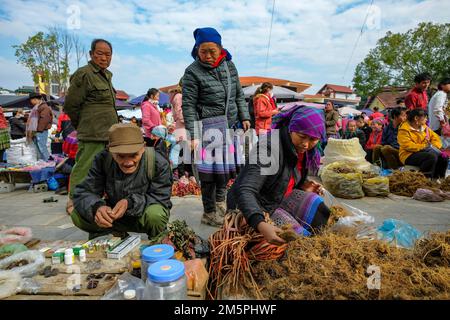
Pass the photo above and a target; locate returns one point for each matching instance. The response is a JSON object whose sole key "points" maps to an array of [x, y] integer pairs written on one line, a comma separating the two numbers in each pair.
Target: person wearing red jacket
{"points": [[374, 138], [417, 98], [264, 108]]}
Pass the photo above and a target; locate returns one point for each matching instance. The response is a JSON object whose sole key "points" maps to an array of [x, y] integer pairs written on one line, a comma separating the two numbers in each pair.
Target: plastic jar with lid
{"points": [[166, 281], [154, 254]]}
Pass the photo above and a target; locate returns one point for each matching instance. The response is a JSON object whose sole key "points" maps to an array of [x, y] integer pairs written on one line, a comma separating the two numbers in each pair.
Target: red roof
{"points": [[336, 88], [122, 95]]}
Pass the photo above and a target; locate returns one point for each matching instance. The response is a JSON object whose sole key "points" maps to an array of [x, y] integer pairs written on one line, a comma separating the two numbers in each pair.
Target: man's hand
{"points": [[120, 209], [270, 233], [103, 217], [246, 125], [276, 111], [312, 186]]}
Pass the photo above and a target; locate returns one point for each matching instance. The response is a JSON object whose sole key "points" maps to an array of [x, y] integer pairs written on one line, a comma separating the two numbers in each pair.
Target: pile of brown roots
{"points": [[406, 183], [331, 266]]}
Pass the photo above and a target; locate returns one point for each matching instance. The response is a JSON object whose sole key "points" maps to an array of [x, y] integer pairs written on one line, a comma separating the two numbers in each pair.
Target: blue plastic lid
{"points": [[166, 271], [157, 252]]}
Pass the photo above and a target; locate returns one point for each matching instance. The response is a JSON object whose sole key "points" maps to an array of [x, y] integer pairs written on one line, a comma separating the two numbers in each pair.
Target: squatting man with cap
{"points": [[127, 189]]}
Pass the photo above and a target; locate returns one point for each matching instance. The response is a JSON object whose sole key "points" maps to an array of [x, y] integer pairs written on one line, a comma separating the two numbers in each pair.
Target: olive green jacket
{"points": [[90, 103]]}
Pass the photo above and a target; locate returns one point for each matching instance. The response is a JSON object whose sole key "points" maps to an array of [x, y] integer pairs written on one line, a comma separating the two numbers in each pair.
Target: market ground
{"points": [[49, 221]]}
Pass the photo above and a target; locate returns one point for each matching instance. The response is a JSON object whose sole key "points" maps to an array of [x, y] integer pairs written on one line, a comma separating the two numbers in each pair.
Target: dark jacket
{"points": [[358, 134], [204, 94], [45, 117], [136, 187], [90, 103], [390, 136], [254, 191], [18, 127], [367, 131], [331, 119]]}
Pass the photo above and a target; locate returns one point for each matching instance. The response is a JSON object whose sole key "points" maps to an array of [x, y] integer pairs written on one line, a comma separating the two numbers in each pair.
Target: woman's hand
{"points": [[312, 186], [270, 233]]}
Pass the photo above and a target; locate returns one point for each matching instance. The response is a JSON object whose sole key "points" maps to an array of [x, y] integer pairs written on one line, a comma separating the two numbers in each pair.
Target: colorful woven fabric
{"points": [[303, 206], [4, 139]]}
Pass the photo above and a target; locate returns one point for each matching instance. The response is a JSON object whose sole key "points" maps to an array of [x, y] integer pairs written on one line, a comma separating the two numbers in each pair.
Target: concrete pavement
{"points": [[50, 222]]}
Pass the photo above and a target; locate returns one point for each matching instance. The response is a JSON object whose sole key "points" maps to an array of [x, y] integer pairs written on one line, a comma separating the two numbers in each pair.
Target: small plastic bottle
{"points": [[69, 257], [82, 255], [129, 295]]}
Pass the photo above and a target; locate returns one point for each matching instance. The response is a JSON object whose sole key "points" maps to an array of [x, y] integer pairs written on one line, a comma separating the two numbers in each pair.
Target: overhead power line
{"points": [[270, 36], [357, 39]]}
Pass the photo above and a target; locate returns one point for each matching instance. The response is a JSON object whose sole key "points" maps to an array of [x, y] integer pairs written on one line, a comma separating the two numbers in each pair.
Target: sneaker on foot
{"points": [[212, 219], [221, 208]]}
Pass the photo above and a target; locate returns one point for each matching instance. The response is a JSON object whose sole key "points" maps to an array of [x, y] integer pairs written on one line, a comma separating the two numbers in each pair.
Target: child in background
{"points": [[374, 138], [353, 132]]}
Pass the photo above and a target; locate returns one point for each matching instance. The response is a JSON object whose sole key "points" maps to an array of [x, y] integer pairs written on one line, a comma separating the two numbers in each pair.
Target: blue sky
{"points": [[311, 40]]}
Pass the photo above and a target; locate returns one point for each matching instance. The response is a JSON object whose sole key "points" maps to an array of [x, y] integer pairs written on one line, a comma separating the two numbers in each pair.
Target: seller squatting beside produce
{"points": [[137, 183], [285, 194]]}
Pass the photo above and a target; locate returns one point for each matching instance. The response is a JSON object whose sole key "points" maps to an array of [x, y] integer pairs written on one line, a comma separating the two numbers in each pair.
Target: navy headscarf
{"points": [[202, 35]]}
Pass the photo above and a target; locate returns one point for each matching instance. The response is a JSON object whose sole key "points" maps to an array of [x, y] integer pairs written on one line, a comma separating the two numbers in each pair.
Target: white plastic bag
{"points": [[348, 151], [21, 153], [9, 283], [358, 222], [125, 282], [35, 259]]}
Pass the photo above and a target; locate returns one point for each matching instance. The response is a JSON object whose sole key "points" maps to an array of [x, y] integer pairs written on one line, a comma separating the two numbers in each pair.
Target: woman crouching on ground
{"points": [[284, 192]]}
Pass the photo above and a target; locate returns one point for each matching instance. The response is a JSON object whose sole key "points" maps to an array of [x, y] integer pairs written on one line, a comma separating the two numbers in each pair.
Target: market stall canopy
{"points": [[128, 114], [367, 111], [119, 103], [346, 111], [287, 106], [14, 102], [278, 92], [163, 99]]}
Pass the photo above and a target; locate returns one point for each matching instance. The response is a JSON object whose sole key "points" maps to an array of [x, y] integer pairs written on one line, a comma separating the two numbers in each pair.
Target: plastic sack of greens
{"points": [[125, 282], [342, 180], [376, 187]]}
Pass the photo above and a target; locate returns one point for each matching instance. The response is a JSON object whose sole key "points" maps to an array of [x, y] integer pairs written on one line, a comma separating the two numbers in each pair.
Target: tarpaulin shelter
{"points": [[163, 99], [278, 92]]}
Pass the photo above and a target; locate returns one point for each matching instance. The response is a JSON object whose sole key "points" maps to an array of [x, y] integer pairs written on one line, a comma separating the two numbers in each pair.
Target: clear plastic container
{"points": [[154, 254], [166, 281]]}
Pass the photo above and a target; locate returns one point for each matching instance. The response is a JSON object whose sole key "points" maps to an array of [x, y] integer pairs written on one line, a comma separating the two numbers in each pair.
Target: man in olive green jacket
{"points": [[90, 104]]}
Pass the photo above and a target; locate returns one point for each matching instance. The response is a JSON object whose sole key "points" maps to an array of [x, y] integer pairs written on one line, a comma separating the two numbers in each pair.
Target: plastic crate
{"points": [[7, 187]]}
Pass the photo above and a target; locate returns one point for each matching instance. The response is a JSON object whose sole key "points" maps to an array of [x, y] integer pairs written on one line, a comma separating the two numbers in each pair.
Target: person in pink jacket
{"points": [[177, 111], [150, 114]]}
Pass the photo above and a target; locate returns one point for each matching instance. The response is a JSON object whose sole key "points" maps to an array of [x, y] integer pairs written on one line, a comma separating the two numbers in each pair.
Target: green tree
{"points": [[398, 57], [51, 54]]}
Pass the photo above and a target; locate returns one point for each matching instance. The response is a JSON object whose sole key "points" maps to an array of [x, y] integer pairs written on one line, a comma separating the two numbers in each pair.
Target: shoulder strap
{"points": [[228, 87], [108, 162], [150, 162]]}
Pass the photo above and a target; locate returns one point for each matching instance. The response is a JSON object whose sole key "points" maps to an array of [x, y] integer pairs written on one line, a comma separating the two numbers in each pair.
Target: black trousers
{"points": [[2, 152], [212, 192], [432, 165]]}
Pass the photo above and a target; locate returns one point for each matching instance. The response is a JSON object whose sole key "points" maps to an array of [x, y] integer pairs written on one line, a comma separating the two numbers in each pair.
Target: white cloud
{"points": [[12, 75], [306, 34]]}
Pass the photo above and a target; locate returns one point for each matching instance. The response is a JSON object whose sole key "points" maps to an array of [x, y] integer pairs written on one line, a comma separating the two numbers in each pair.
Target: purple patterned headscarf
{"points": [[306, 120]]}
